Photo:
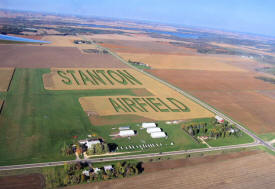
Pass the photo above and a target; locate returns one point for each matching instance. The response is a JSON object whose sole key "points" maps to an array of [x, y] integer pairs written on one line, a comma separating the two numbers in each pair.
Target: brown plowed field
{"points": [[146, 47], [237, 94], [26, 56], [32, 181], [189, 62], [251, 171]]}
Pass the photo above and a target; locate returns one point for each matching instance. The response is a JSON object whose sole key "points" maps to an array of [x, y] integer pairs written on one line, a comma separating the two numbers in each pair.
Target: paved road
{"points": [[210, 108], [126, 157]]}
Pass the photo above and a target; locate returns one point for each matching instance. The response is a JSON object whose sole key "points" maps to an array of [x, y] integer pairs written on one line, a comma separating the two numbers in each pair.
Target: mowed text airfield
{"points": [[163, 104]]}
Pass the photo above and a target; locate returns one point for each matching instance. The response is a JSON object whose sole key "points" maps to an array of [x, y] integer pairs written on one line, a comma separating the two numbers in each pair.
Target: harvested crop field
{"points": [[158, 47], [252, 171], [237, 94], [5, 77], [30, 56], [187, 62], [31, 181]]}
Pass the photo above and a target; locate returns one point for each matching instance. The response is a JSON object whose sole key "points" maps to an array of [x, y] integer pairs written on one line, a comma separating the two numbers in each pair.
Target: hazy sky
{"points": [[253, 16]]}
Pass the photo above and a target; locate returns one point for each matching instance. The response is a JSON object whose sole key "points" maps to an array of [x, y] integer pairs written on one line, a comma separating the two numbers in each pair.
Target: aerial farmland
{"points": [[91, 100]]}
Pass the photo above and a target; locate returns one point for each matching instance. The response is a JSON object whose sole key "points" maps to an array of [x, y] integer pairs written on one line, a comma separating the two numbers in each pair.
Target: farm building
{"points": [[96, 170], [90, 143], [124, 128], [153, 130], [148, 125], [158, 135], [108, 167], [219, 119], [126, 133]]}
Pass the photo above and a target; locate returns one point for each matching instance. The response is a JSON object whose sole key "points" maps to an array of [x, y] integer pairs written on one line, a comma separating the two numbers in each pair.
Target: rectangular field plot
{"points": [[155, 107], [164, 103], [5, 77]]}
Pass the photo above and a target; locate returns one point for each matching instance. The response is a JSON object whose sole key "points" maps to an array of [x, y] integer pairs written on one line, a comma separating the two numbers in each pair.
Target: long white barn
{"points": [[148, 125], [153, 130], [158, 135]]}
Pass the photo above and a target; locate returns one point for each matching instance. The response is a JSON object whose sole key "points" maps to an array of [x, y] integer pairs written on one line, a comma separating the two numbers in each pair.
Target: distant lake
{"points": [[20, 39]]}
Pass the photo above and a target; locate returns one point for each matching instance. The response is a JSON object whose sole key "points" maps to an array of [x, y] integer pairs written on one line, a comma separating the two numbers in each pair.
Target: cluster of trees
{"points": [[212, 130], [139, 64], [100, 148], [67, 150], [73, 173]]}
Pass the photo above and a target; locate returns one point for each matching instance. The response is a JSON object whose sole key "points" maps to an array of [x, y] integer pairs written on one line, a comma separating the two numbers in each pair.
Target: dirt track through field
{"points": [[252, 171], [5, 77]]}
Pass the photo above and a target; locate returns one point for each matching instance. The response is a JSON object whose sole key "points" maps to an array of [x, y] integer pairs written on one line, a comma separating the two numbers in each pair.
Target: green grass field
{"points": [[36, 122], [176, 134]]}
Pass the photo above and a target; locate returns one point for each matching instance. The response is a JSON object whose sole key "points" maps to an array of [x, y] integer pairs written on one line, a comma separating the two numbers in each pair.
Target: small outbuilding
{"points": [[219, 119], [126, 133], [108, 168], [158, 135], [124, 128], [148, 125], [90, 143], [153, 130]]}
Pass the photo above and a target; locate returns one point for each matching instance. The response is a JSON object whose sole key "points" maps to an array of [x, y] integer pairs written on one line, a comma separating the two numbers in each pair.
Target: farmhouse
{"points": [[89, 143], [148, 125], [219, 119], [126, 133], [97, 77], [108, 168], [153, 130], [158, 135]]}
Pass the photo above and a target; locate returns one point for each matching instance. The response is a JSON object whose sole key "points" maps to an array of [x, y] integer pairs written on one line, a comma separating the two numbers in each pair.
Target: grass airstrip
{"points": [[36, 122]]}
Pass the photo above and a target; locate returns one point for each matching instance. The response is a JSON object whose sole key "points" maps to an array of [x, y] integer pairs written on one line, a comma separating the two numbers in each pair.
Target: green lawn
{"points": [[35, 122], [176, 134], [231, 140], [267, 136]]}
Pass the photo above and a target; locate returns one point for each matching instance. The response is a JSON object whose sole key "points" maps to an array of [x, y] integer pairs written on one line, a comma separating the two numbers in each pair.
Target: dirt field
{"points": [[26, 56], [156, 47], [5, 77], [237, 94], [67, 41], [251, 171], [197, 62], [32, 181]]}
